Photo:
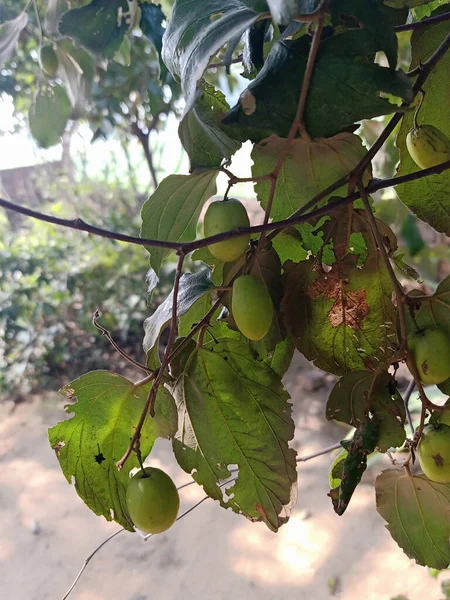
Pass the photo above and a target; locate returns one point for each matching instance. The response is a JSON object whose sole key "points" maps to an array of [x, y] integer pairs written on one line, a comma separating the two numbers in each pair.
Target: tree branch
{"points": [[149, 406], [295, 219], [425, 22]]}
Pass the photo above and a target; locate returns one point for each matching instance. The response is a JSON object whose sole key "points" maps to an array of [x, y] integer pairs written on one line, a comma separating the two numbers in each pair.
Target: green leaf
{"points": [[309, 168], [417, 511], [435, 310], [172, 212], [196, 31], [345, 88], [89, 444], [375, 18], [354, 465], [123, 54], [428, 198], [236, 413], [99, 26], [342, 318], [49, 114], [199, 131], [337, 469], [289, 246], [191, 288], [9, 37]]}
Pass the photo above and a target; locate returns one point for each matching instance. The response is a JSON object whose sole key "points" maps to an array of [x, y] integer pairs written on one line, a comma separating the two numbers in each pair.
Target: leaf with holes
{"points": [[309, 168], [417, 511], [345, 88], [342, 317], [172, 211], [374, 17], [89, 444], [428, 198], [235, 414], [191, 288]]}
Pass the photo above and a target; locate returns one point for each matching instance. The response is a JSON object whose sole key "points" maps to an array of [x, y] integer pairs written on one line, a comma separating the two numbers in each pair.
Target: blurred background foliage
{"points": [[52, 280]]}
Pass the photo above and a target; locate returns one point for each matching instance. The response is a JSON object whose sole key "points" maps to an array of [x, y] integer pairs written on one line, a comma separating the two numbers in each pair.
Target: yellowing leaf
{"points": [[309, 168], [89, 444], [342, 318], [417, 511]]}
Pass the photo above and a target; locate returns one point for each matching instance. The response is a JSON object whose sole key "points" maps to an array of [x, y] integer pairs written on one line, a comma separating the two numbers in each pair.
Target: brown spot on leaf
{"points": [[438, 460], [349, 308], [260, 509], [69, 393]]}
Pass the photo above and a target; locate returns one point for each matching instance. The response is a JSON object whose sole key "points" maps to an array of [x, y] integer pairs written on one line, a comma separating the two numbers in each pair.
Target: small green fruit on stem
{"points": [[430, 350], [252, 307], [428, 146], [152, 500], [49, 60], [223, 216], [434, 452]]}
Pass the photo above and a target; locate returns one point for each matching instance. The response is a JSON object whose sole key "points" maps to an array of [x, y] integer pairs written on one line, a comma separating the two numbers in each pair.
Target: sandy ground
{"points": [[46, 532]]}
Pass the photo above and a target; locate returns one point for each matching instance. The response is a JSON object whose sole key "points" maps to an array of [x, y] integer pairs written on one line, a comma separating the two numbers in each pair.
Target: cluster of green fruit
{"points": [[430, 350], [152, 500], [251, 303]]}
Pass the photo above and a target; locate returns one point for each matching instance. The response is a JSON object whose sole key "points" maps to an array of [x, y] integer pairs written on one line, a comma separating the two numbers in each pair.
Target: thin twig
{"points": [[295, 219], [149, 406], [406, 398], [234, 61], [399, 292], [39, 22], [298, 123], [319, 453], [424, 23], [116, 347], [88, 560]]}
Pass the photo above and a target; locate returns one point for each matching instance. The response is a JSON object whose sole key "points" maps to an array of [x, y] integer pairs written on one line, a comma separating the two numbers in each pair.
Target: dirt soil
{"points": [[46, 532]]}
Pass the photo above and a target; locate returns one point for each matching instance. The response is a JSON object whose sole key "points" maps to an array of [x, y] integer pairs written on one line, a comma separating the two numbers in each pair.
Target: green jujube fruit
{"points": [[49, 60], [428, 146], [222, 216], [430, 350], [152, 500], [434, 452], [252, 307]]}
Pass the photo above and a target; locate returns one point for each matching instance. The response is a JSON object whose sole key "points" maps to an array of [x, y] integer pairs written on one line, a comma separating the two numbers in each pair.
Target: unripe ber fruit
{"points": [[430, 351], [252, 307], [152, 500], [222, 216], [434, 452], [49, 60], [428, 146]]}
